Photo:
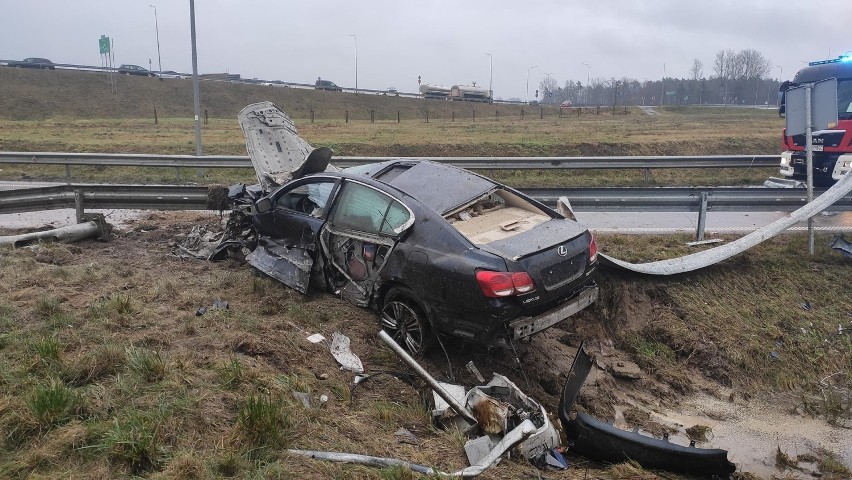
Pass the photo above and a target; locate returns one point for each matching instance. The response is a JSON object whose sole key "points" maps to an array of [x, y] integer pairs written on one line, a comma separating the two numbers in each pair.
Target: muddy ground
{"points": [[264, 330]]}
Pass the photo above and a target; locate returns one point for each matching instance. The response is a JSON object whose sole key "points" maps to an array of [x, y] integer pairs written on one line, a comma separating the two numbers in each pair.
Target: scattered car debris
{"points": [[303, 397], [218, 304], [344, 356], [842, 245], [522, 431], [709, 241], [602, 441], [95, 227], [380, 237], [198, 243], [443, 409], [403, 435], [316, 338], [806, 306], [475, 371], [478, 448], [498, 408]]}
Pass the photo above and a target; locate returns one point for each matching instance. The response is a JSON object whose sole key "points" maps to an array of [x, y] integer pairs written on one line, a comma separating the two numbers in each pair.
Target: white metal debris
{"points": [[344, 356]]}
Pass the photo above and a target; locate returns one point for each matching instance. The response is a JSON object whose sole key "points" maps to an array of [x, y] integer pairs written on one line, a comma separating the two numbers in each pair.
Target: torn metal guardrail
{"points": [[715, 255], [172, 197], [471, 163], [602, 441]]}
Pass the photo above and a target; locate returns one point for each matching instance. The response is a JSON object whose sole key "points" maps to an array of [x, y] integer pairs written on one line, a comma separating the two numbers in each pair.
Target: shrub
{"points": [[145, 363], [264, 422], [52, 403], [134, 440]]}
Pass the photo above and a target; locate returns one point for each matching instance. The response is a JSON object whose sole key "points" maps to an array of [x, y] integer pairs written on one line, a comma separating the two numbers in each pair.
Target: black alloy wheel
{"points": [[406, 322]]}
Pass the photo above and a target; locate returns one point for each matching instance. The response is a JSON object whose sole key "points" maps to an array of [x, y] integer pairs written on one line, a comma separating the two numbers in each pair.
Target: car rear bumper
{"points": [[526, 326]]}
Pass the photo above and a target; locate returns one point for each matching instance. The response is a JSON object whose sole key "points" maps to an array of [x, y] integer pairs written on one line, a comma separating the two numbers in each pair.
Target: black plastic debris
{"points": [[218, 304]]}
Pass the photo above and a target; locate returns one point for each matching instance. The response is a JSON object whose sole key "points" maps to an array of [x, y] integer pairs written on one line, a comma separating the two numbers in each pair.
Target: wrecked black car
{"points": [[433, 248]]}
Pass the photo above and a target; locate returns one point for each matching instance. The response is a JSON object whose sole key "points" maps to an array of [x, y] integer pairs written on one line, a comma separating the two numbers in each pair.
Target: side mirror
{"points": [[263, 205], [782, 110]]}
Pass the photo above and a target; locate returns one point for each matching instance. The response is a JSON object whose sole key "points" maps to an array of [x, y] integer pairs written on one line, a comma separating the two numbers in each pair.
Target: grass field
{"points": [[106, 371]]}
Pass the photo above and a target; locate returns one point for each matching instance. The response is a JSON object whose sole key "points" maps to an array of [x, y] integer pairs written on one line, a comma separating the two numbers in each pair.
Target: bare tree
{"points": [[697, 70], [548, 89]]}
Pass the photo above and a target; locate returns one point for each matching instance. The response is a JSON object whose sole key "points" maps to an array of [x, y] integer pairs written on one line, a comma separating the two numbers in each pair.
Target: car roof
{"points": [[440, 187]]}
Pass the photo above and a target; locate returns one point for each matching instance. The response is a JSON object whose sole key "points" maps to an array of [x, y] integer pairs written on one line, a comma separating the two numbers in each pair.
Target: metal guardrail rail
{"points": [[472, 163], [660, 199]]}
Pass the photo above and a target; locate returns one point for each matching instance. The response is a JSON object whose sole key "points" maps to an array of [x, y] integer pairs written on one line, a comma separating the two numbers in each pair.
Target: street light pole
{"points": [[547, 76], [528, 82], [490, 77], [588, 80], [663, 86], [196, 98], [157, 29], [780, 72], [356, 61]]}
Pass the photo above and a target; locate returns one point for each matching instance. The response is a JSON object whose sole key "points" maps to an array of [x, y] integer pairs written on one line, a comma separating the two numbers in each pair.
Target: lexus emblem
{"points": [[562, 250]]}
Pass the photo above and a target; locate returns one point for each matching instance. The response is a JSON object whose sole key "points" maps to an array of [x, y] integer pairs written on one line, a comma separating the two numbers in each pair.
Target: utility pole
{"points": [[490, 78], [588, 80], [356, 61], [196, 98], [663, 85], [528, 82], [157, 29]]}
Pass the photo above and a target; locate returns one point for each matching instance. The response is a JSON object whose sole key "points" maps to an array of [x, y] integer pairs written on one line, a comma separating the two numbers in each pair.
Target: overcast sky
{"points": [[443, 41]]}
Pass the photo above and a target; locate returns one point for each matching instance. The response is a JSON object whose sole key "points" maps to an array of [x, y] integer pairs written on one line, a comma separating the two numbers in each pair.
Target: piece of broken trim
{"points": [[842, 245], [344, 356], [602, 441], [712, 256]]}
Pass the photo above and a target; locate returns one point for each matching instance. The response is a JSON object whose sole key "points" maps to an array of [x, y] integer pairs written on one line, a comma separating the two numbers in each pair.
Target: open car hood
{"points": [[277, 152]]}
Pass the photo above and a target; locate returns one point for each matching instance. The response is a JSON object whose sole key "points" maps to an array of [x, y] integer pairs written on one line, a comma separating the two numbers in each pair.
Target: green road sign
{"points": [[670, 93], [103, 42]]}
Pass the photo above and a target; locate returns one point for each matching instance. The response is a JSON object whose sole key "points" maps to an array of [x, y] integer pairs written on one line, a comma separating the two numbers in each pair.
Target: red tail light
{"points": [[523, 282], [504, 284], [593, 249]]}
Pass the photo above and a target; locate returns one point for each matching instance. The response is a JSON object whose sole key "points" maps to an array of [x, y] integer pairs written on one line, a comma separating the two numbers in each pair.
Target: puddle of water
{"points": [[753, 433]]}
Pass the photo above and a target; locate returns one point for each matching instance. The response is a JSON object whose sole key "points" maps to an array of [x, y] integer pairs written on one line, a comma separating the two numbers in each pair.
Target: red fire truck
{"points": [[832, 147]]}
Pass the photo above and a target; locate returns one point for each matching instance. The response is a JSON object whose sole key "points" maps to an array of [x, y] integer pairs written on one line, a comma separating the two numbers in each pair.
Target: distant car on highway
{"points": [[565, 104], [128, 69], [327, 85], [391, 90], [170, 74], [33, 62]]}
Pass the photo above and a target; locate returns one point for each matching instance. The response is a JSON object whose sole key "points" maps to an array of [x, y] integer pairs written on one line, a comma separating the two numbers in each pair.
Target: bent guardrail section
{"points": [[703, 259]]}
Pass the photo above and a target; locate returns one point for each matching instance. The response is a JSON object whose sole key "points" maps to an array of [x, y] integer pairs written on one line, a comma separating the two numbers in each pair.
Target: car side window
{"points": [[368, 210], [310, 198]]}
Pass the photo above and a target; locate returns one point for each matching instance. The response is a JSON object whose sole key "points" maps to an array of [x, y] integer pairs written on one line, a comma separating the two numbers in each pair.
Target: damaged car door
{"points": [[358, 239], [288, 223]]}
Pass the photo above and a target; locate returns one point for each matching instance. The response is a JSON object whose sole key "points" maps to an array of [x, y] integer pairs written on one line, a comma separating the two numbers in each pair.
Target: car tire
{"points": [[404, 318]]}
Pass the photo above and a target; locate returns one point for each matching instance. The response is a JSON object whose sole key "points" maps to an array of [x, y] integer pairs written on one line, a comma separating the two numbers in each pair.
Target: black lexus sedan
{"points": [[433, 248]]}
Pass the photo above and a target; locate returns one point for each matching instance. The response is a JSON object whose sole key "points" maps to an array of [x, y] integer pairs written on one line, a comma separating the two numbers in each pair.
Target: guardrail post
{"points": [[702, 217], [346, 117], [372, 116], [177, 174], [497, 114], [67, 172], [206, 117], [312, 115], [647, 172], [474, 115], [397, 116], [454, 117], [78, 205]]}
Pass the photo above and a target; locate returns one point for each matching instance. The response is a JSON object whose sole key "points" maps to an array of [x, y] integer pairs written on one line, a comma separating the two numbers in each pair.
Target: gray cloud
{"points": [[444, 41]]}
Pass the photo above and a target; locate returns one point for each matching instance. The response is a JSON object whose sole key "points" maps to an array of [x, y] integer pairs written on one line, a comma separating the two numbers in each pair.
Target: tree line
{"points": [[742, 78]]}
